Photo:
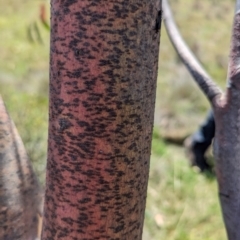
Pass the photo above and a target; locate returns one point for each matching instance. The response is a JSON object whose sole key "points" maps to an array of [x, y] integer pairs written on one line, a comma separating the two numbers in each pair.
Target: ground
{"points": [[182, 204]]}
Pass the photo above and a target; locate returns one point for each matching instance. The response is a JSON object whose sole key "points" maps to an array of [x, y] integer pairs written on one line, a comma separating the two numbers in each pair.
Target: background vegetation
{"points": [[182, 204]]}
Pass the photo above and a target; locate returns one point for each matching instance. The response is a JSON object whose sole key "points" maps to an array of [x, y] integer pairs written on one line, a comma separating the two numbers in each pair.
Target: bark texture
{"points": [[20, 193], [227, 139], [104, 57], [226, 108]]}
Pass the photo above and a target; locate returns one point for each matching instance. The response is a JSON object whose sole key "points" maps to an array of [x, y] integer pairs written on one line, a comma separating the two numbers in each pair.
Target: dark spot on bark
{"points": [[64, 124], [158, 21], [119, 228], [85, 200], [224, 195]]}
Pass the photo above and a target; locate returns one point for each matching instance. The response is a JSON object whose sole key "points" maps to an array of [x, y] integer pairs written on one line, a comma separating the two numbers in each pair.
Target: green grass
{"points": [[182, 204]]}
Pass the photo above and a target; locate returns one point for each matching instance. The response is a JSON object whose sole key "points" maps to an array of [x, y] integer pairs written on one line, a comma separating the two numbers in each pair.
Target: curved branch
{"points": [[208, 86]]}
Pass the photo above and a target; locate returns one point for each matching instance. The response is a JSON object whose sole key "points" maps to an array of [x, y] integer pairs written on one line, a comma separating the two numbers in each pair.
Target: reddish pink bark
{"points": [[104, 57]]}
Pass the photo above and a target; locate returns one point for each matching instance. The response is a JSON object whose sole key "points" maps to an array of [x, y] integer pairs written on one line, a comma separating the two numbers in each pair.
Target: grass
{"points": [[182, 204]]}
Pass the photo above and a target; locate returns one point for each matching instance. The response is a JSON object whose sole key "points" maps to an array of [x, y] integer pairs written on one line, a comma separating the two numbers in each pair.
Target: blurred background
{"points": [[182, 204]]}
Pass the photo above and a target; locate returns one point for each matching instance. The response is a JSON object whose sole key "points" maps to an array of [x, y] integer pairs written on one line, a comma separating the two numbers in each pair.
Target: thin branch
{"points": [[208, 86]]}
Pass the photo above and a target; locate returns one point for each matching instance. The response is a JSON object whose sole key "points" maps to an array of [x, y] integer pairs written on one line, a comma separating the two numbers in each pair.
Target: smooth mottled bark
{"points": [[226, 108], [20, 193], [227, 139], [104, 58]]}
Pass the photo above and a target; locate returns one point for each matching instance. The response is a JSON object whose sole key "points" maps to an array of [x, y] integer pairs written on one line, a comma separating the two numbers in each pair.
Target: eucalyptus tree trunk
{"points": [[104, 58], [226, 108], [20, 192]]}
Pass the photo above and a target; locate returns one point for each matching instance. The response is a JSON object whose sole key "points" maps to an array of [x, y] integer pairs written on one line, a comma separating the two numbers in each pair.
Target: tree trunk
{"points": [[104, 58], [226, 108], [227, 138], [20, 193]]}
